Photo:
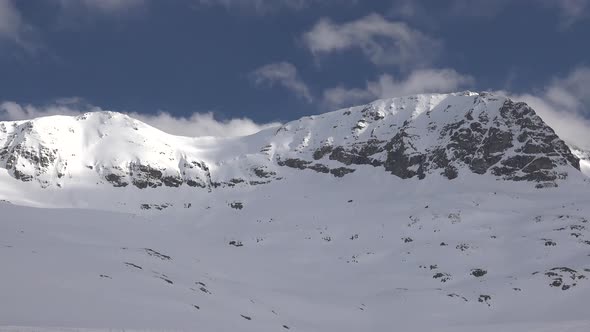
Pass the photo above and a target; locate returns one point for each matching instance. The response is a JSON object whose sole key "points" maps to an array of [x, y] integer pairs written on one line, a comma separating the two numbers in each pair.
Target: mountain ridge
{"points": [[408, 137]]}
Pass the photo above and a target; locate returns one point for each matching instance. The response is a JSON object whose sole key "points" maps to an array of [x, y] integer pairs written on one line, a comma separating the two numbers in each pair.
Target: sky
{"points": [[232, 67]]}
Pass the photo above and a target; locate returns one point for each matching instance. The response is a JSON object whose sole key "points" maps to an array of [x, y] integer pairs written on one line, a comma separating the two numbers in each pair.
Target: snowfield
{"points": [[433, 246]]}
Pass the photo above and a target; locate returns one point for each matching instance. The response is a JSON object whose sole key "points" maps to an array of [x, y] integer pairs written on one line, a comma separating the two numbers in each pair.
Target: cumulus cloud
{"points": [[104, 6], [285, 75], [257, 5], [12, 26], [568, 11], [197, 124], [571, 11], [417, 9], [11, 111], [419, 81], [269, 6], [15, 29], [202, 124], [565, 105], [10, 21], [384, 42]]}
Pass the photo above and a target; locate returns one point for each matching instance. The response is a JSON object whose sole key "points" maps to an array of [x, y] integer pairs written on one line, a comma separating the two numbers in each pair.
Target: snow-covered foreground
{"points": [[368, 252], [569, 326]]}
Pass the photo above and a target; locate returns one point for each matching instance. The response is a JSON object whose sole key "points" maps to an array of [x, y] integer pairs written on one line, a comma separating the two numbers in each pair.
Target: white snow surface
{"points": [[305, 252]]}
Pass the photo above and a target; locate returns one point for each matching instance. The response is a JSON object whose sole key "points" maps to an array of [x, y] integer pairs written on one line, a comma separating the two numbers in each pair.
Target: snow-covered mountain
{"points": [[446, 212], [418, 136]]}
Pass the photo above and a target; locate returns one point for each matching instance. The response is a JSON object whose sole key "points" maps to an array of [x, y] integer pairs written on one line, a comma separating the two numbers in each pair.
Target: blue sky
{"points": [[201, 63]]}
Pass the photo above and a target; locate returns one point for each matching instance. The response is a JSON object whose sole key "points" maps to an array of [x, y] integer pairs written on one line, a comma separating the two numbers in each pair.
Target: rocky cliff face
{"points": [[441, 134], [410, 137]]}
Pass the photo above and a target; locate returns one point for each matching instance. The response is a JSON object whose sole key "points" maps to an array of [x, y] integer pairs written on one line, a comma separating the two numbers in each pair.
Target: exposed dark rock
{"points": [[116, 180], [539, 164], [459, 296], [517, 162], [172, 181], [255, 183], [462, 246], [444, 277], [485, 299], [549, 243], [341, 171], [319, 168], [401, 162], [359, 154], [158, 207], [21, 176], [193, 183], [236, 205], [294, 163], [134, 265], [167, 280], [302, 164], [262, 173], [236, 181], [478, 273], [156, 254], [321, 152], [564, 277]]}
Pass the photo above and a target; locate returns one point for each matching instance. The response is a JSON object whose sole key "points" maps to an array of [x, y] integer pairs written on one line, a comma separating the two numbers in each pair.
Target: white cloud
{"points": [[573, 91], [257, 5], [570, 11], [269, 6], [419, 81], [197, 124], [104, 6], [383, 42], [202, 124], [11, 111], [285, 75], [15, 29], [12, 26], [570, 126], [10, 21], [564, 104], [418, 9]]}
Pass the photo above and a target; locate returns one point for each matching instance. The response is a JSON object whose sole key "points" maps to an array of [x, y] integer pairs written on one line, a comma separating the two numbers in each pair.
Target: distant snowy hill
{"points": [[442, 212]]}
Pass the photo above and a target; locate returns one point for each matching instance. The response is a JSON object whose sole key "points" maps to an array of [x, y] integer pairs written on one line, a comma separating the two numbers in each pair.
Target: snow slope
{"points": [[425, 213], [314, 253]]}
